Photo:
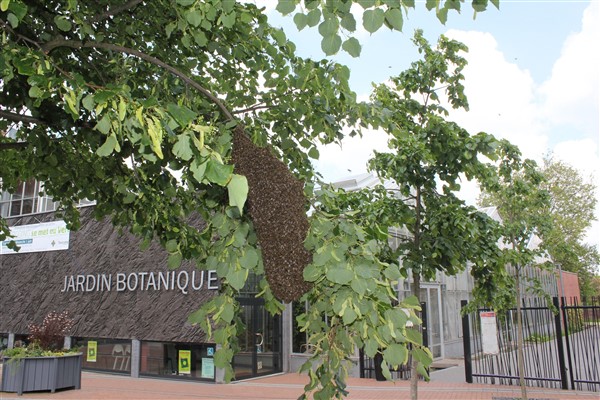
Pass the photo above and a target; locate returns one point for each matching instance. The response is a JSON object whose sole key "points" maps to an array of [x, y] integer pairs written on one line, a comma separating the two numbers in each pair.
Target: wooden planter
{"points": [[41, 373]]}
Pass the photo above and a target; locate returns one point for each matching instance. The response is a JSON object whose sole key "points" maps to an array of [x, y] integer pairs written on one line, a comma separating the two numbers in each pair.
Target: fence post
{"points": [[565, 316], [467, 343], [559, 346], [424, 324]]}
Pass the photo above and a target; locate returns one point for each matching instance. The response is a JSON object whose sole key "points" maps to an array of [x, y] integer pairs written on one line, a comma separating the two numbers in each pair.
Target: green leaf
{"points": [[411, 302], [313, 153], [182, 115], [396, 354], [431, 4], [171, 246], [394, 18], [329, 27], [331, 44], [237, 279], [200, 38], [352, 47], [174, 260], [4, 5], [194, 17], [313, 17], [198, 170], [228, 20], [301, 21], [349, 316], [35, 92], [422, 371], [218, 173], [414, 336], [228, 312], [155, 132], [183, 149], [312, 273], [341, 276], [286, 7], [367, 3], [250, 258], [348, 22], [359, 286], [108, 147], [371, 347], [63, 23], [373, 19], [237, 189], [422, 356], [186, 3], [13, 20], [196, 317]]}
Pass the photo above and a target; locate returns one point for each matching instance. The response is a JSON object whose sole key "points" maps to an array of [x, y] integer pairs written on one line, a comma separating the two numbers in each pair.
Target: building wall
{"points": [[568, 286], [34, 284]]}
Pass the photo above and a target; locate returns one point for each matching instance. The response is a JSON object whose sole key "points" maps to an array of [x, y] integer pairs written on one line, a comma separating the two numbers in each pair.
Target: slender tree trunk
{"points": [[416, 288], [520, 340], [414, 376]]}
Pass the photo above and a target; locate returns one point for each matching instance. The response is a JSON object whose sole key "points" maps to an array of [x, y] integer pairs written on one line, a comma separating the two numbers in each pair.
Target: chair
{"points": [[119, 354], [127, 357]]}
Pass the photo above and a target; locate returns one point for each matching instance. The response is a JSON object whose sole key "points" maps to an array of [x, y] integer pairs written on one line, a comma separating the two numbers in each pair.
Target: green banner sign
{"points": [[185, 362], [92, 351]]}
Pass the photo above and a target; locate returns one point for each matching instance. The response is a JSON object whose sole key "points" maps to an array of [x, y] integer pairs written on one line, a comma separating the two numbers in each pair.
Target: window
{"points": [[25, 200], [111, 354], [184, 360], [29, 199]]}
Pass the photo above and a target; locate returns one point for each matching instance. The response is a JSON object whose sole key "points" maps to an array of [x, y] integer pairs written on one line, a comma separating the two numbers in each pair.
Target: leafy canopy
{"points": [[134, 104]]}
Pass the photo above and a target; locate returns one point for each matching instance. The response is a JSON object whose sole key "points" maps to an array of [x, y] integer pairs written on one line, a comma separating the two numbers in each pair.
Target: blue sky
{"points": [[533, 78]]}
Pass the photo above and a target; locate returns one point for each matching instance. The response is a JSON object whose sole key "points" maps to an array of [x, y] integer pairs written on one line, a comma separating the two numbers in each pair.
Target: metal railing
{"points": [[561, 350]]}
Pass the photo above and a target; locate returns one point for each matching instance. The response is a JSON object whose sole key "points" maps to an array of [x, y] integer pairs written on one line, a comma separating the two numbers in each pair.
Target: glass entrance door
{"points": [[430, 294], [260, 343]]}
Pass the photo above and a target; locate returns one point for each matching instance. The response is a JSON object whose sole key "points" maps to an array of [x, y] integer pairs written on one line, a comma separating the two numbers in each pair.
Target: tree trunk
{"points": [[414, 376], [520, 341]]}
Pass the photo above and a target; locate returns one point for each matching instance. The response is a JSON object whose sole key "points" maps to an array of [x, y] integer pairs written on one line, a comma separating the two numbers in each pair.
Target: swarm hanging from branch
{"points": [[277, 206]]}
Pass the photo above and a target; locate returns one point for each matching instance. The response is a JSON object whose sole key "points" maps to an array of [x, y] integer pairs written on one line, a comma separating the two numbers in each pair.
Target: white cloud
{"points": [[336, 162], [501, 96], [571, 93]]}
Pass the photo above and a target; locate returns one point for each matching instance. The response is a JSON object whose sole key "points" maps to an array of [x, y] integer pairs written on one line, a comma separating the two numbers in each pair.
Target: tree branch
{"points": [[20, 118], [114, 11], [53, 44], [251, 108]]}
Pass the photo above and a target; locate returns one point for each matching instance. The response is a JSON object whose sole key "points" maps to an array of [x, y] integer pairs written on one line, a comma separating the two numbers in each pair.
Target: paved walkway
{"points": [[96, 386]]}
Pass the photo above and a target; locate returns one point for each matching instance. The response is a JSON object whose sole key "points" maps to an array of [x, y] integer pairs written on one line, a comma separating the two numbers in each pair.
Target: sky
{"points": [[532, 78]]}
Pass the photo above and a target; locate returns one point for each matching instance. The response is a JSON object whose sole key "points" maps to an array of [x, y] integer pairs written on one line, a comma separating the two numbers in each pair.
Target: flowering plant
{"points": [[46, 339]]}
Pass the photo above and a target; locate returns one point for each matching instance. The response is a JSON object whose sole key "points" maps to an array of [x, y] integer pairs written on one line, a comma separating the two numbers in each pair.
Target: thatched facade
{"points": [[33, 284]]}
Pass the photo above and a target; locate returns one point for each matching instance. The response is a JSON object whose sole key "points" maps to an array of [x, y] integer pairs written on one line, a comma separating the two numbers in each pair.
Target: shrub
{"points": [[51, 333]]}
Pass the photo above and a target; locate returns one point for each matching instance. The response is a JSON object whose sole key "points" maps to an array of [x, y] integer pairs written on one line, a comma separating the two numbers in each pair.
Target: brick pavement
{"points": [[96, 386]]}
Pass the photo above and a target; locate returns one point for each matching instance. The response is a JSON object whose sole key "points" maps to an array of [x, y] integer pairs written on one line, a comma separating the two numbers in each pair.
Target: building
{"points": [[133, 310]]}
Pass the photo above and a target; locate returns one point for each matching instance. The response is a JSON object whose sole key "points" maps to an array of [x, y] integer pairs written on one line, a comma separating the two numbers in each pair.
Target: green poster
{"points": [[92, 350], [185, 362]]}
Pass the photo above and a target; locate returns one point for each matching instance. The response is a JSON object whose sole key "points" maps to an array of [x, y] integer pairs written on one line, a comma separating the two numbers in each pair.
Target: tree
{"points": [[157, 110], [523, 205], [573, 203], [428, 157]]}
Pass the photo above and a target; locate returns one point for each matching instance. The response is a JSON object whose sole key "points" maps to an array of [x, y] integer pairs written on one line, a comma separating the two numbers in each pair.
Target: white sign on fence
{"points": [[47, 236], [489, 332]]}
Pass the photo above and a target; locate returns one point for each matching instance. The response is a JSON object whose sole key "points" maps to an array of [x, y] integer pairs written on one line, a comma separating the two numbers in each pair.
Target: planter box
{"points": [[41, 373]]}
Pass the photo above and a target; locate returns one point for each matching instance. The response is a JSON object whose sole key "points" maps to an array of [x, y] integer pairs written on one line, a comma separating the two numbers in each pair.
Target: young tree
{"points": [[428, 158], [158, 110], [523, 205], [573, 202]]}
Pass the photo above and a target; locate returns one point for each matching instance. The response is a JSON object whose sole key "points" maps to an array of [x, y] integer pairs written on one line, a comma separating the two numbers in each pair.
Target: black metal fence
{"points": [[561, 350]]}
